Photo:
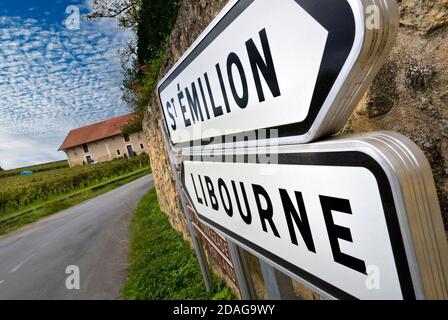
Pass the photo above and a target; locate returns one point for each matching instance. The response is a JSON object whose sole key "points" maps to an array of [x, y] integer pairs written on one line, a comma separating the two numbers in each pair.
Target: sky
{"points": [[54, 78]]}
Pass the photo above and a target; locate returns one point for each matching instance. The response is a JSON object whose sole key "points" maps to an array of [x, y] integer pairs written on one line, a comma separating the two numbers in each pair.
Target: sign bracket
{"points": [[242, 272], [278, 285]]}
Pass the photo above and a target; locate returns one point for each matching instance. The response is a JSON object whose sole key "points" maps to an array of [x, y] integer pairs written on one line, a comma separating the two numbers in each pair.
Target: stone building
{"points": [[103, 141]]}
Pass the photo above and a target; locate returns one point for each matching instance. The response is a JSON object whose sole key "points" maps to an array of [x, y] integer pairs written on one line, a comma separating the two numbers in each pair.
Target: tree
{"points": [[126, 12], [1, 169], [151, 22], [155, 21]]}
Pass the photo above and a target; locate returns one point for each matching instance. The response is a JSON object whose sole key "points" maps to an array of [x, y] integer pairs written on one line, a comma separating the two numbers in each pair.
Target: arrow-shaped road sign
{"points": [[296, 66]]}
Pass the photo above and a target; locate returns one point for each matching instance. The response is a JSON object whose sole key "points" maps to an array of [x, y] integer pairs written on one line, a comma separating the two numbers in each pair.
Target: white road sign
{"points": [[296, 66], [336, 215]]}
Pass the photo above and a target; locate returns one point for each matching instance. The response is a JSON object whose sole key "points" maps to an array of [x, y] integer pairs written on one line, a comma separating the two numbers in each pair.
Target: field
{"points": [[53, 180], [37, 168]]}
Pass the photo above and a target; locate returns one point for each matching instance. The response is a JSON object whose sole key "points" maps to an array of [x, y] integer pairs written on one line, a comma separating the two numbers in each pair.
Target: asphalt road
{"points": [[93, 236]]}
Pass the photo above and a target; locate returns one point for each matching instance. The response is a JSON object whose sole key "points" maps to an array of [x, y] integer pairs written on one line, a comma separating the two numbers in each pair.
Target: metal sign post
{"points": [[238, 263], [278, 285], [242, 272]]}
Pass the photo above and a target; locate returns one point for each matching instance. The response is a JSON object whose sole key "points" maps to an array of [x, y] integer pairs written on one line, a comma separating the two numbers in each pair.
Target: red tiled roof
{"points": [[96, 131]]}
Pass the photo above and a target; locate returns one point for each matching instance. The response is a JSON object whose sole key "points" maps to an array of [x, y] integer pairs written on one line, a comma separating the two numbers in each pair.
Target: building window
{"points": [[126, 137], [118, 152], [89, 159], [141, 146], [85, 147]]}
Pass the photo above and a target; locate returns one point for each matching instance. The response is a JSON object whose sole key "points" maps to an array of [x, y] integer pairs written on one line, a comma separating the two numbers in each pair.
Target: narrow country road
{"points": [[93, 236]]}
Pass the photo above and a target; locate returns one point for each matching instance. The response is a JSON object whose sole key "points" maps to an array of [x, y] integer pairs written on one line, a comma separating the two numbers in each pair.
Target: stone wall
{"points": [[194, 16], [410, 96]]}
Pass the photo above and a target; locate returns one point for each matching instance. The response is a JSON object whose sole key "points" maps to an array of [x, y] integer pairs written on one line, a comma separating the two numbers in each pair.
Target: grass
{"points": [[33, 214], [162, 264]]}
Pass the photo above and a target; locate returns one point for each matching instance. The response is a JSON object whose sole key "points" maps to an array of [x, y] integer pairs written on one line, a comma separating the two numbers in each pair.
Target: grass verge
{"points": [[162, 264], [14, 221]]}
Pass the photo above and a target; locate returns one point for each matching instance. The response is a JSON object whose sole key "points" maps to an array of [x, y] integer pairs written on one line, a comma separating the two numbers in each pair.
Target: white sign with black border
{"points": [[340, 215], [296, 66]]}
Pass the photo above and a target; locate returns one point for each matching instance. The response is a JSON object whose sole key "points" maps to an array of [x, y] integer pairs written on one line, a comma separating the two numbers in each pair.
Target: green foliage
{"points": [[17, 192], [162, 265], [126, 12], [151, 22], [156, 19], [221, 291], [134, 126], [142, 88], [149, 79]]}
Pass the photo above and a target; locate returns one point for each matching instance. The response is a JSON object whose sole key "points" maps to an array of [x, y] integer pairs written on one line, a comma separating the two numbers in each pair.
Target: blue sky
{"points": [[53, 79]]}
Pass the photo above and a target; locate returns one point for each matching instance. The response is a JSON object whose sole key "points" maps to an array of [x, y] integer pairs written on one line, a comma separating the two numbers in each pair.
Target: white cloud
{"points": [[20, 151], [52, 82]]}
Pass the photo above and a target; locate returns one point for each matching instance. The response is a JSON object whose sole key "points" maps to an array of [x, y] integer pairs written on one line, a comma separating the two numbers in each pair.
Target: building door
{"points": [[130, 151]]}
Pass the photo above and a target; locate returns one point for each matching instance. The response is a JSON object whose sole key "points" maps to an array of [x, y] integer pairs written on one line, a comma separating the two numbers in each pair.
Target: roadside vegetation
{"points": [[27, 198], [162, 264]]}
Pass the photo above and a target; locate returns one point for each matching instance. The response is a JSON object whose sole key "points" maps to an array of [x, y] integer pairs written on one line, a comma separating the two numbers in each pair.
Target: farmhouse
{"points": [[103, 141]]}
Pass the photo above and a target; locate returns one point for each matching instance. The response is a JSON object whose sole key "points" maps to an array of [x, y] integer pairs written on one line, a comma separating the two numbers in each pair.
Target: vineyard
{"points": [[36, 168], [17, 192]]}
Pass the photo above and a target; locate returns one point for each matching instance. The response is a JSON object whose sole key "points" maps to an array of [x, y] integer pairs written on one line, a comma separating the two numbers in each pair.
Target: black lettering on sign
{"points": [[234, 60], [300, 221], [265, 66], [227, 207], [195, 190], [203, 193], [336, 232], [265, 213], [217, 111], [247, 218], [193, 102], [180, 96], [211, 193], [295, 214], [204, 100], [223, 88], [168, 108], [196, 97], [174, 106]]}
